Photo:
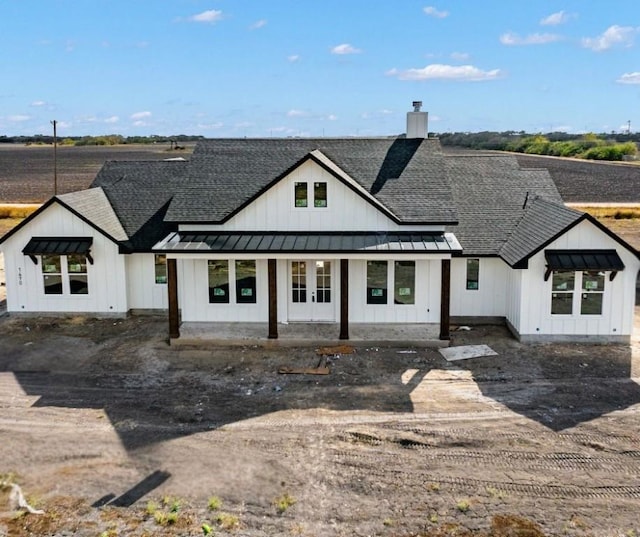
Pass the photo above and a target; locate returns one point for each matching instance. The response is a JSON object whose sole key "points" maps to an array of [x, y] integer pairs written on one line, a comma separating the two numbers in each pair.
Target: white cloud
{"points": [[630, 78], [38, 103], [332, 117], [512, 39], [345, 48], [211, 126], [139, 123], [612, 36], [209, 16], [296, 113], [112, 119], [70, 45], [258, 24], [18, 118], [293, 58], [140, 115], [63, 125], [434, 12], [554, 19], [438, 71], [460, 56]]}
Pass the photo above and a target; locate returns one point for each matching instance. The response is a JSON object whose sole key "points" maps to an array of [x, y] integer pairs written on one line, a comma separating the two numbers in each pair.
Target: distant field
{"points": [[26, 172]]}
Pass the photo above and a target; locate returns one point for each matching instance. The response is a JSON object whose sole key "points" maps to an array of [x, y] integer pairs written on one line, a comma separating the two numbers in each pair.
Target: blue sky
{"points": [[229, 68]]}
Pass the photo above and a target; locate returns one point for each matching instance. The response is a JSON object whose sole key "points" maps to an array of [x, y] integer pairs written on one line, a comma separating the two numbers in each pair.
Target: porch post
{"points": [[172, 288], [273, 299], [344, 299], [445, 295]]}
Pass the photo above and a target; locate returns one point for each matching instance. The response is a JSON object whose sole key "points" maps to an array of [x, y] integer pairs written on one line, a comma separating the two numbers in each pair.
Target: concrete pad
{"points": [[464, 352]]}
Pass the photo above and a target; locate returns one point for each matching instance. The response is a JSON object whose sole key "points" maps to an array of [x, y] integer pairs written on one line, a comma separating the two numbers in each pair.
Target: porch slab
{"points": [[306, 334]]}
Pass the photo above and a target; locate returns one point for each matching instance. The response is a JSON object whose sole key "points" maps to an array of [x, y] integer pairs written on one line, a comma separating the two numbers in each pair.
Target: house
{"points": [[346, 231]]}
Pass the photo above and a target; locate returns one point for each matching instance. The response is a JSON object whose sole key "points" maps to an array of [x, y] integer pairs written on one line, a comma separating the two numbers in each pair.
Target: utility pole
{"points": [[55, 158], [629, 127]]}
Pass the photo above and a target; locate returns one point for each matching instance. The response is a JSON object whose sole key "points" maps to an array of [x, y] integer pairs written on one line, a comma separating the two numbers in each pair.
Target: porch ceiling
{"points": [[283, 243]]}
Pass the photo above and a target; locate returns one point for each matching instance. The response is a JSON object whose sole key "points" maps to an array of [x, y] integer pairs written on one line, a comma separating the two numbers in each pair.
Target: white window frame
{"points": [[577, 292], [65, 276], [311, 195]]}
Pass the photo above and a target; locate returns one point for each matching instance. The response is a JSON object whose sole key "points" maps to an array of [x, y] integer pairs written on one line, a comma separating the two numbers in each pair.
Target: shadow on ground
{"points": [[153, 393]]}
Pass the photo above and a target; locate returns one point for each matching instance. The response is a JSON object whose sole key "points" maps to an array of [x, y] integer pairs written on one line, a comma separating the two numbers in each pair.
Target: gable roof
{"points": [[140, 192], [91, 206], [490, 192], [544, 222], [406, 176]]}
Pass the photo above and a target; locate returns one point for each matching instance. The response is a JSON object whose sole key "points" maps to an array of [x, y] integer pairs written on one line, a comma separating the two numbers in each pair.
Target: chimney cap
{"points": [[417, 105]]}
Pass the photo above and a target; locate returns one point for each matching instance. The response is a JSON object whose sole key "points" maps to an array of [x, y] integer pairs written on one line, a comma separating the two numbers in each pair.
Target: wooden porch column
{"points": [[172, 288], [273, 299], [344, 299], [445, 298]]}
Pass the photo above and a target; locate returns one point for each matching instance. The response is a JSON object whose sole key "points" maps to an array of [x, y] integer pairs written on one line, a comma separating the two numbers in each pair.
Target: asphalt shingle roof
{"points": [[541, 223], [139, 193], [405, 175], [490, 193]]}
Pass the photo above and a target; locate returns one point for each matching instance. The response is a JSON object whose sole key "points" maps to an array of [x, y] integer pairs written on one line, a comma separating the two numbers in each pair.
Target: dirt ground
{"points": [[112, 432]]}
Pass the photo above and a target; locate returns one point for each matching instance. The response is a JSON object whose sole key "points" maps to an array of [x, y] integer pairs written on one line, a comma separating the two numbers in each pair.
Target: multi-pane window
{"points": [[65, 274], [473, 272], [323, 281], [302, 190], [404, 282], [298, 281], [246, 282], [564, 296], [218, 281], [161, 268], [320, 194], [301, 196], [377, 282], [592, 292]]}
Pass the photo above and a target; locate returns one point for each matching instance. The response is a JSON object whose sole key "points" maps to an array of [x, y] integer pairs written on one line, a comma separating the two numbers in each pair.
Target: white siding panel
{"points": [[618, 300], [194, 296], [275, 210], [490, 299], [106, 277]]}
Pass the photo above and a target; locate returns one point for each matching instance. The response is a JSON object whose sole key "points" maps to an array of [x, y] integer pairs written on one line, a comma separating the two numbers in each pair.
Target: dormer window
{"points": [[301, 194]]}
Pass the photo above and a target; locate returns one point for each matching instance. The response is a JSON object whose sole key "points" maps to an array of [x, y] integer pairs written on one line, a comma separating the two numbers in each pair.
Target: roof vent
{"points": [[417, 122]]}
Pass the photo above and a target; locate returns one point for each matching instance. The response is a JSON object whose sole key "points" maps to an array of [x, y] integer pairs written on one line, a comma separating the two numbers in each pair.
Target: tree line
{"points": [[108, 139], [560, 144]]}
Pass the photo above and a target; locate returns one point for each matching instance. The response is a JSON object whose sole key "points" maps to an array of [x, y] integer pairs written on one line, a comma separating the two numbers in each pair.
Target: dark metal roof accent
{"points": [[58, 246], [608, 260], [321, 242]]}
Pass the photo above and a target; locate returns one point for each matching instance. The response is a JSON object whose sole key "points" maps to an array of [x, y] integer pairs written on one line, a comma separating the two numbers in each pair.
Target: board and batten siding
{"points": [[275, 209], [514, 297], [143, 293], [489, 299], [106, 276], [194, 295], [618, 302]]}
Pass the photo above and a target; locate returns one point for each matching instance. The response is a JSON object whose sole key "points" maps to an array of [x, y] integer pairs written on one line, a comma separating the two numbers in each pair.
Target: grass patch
{"points": [[214, 503], [16, 211], [283, 502], [227, 521], [616, 213], [463, 506]]}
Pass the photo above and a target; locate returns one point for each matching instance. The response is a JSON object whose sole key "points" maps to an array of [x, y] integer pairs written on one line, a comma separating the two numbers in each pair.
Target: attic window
{"points": [[301, 195], [320, 194]]}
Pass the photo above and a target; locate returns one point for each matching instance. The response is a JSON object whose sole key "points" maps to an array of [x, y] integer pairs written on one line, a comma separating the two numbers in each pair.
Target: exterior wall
{"points": [[195, 306], [106, 277], [514, 298], [275, 210], [616, 321], [490, 299], [193, 296], [142, 291]]}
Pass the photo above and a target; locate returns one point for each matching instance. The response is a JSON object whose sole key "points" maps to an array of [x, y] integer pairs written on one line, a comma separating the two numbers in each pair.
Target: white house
{"points": [[342, 231]]}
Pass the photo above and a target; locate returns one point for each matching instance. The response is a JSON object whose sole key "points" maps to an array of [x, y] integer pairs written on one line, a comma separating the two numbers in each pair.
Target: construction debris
{"points": [[338, 349], [320, 369], [17, 500]]}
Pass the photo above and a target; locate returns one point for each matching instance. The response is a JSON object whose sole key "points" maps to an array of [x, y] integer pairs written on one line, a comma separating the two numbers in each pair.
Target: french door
{"points": [[311, 290]]}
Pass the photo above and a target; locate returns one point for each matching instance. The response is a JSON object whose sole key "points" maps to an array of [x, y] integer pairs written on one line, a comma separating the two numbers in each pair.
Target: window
{"points": [[52, 272], [298, 281], [376, 282], [592, 292], [246, 282], [473, 271], [405, 282], [161, 268], [323, 282], [319, 194], [65, 274], [562, 286], [564, 298], [301, 195], [218, 281]]}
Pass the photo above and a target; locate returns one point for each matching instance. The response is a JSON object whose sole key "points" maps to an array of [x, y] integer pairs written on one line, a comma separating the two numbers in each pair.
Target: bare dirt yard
{"points": [[112, 432]]}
